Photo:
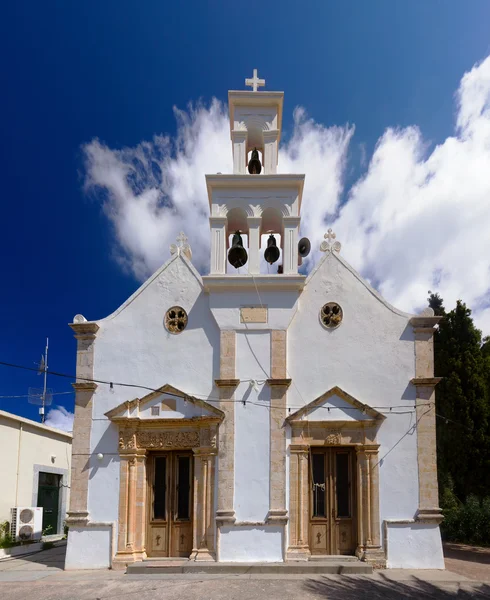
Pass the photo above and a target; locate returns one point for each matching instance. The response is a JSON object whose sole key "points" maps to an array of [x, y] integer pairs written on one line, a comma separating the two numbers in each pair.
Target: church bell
{"points": [[237, 255], [271, 253], [254, 165]]}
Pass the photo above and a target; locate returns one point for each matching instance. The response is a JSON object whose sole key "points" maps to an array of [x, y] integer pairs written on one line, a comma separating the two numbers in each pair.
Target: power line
{"points": [[111, 384]]}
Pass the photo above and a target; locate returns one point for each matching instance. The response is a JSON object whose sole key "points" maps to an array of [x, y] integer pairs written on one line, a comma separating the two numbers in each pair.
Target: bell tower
{"points": [[255, 200]]}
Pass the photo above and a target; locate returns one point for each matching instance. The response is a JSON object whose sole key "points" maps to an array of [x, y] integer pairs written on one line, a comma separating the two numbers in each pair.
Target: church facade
{"points": [[265, 416]]}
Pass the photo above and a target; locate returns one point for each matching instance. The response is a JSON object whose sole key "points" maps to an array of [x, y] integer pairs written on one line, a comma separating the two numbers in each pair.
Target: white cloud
{"points": [[416, 220], [60, 418]]}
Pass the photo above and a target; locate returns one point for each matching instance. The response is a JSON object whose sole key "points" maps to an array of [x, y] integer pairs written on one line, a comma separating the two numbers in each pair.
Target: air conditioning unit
{"points": [[26, 523]]}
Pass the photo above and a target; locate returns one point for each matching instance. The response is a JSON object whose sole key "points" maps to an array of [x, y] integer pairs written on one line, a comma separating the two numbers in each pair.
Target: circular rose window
{"points": [[331, 315], [175, 319]]}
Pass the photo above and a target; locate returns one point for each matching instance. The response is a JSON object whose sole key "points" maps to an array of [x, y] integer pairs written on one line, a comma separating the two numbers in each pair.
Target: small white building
{"points": [[270, 416], [35, 469]]}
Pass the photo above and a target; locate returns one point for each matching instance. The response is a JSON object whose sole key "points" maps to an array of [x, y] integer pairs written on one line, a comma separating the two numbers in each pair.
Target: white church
{"points": [[268, 416]]}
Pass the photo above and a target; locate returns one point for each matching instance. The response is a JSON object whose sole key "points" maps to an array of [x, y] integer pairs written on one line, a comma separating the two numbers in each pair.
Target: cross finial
{"points": [[329, 245], [181, 246], [255, 82]]}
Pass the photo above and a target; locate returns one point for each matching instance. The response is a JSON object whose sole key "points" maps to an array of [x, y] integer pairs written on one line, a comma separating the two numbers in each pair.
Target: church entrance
{"points": [[332, 501], [170, 493]]}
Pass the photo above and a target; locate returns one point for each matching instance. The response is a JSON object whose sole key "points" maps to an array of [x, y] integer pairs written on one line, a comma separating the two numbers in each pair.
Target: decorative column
{"points": [[227, 384], [425, 382], [298, 548], [218, 245], [271, 138], [85, 333], [203, 549], [290, 245], [132, 504], [254, 245], [239, 141], [369, 543], [279, 385]]}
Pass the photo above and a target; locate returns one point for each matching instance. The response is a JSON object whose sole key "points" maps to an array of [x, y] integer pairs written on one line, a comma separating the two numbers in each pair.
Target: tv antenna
{"points": [[44, 396]]}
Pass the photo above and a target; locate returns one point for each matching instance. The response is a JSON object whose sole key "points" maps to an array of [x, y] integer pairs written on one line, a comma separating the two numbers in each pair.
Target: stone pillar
{"points": [[204, 486], [271, 138], [85, 333], [278, 407], [369, 543], [298, 548], [218, 245], [227, 384], [425, 382], [132, 508], [239, 141], [254, 245], [290, 245]]}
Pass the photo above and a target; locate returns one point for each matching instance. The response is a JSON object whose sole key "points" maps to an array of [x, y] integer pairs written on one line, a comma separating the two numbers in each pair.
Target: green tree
{"points": [[462, 402]]}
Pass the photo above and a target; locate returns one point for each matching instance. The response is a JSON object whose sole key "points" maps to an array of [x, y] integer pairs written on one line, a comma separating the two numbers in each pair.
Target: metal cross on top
{"points": [[255, 82]]}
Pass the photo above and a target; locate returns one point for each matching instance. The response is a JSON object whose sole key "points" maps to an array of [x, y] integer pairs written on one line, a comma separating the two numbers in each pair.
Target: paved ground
{"points": [[41, 576]]}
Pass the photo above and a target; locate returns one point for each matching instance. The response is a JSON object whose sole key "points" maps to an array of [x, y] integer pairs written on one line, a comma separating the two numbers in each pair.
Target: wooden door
{"points": [[170, 504], [332, 518]]}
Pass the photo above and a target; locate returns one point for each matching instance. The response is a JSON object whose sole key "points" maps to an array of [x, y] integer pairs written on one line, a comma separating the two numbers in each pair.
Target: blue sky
{"points": [[114, 70]]}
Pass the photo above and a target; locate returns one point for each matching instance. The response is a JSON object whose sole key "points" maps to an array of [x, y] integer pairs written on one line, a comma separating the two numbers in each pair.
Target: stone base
{"points": [[225, 517], [372, 555], [202, 555], [279, 517], [127, 557], [429, 515], [298, 553], [77, 518]]}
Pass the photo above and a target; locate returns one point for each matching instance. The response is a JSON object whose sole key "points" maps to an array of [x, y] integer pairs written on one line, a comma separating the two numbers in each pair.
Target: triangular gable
{"points": [[342, 407], [177, 256], [171, 403], [344, 263]]}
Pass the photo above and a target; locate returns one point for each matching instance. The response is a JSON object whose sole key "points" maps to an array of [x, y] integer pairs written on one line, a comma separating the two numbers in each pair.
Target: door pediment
{"points": [[165, 405], [336, 405]]}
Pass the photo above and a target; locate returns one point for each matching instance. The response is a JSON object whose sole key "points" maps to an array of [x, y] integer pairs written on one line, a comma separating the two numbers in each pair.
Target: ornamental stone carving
{"points": [[333, 437], [126, 439], [167, 439]]}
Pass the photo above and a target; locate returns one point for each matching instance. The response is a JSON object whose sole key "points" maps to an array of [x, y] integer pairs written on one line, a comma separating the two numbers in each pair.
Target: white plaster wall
{"points": [[133, 346], [251, 544], [88, 548], [252, 428], [23, 445], [414, 546], [281, 306], [371, 357]]}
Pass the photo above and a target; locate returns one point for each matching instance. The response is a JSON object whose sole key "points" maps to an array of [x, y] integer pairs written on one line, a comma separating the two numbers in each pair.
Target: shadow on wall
{"points": [[386, 589], [199, 318], [108, 446]]}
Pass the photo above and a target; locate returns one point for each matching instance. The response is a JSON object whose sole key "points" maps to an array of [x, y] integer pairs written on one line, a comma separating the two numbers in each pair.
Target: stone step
{"points": [[314, 567]]}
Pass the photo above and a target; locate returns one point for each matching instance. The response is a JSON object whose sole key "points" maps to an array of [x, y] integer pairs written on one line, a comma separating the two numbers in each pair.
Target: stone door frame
{"points": [[138, 437], [358, 435]]}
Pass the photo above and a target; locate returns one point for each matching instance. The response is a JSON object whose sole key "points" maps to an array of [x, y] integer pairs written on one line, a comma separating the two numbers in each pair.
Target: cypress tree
{"points": [[461, 402]]}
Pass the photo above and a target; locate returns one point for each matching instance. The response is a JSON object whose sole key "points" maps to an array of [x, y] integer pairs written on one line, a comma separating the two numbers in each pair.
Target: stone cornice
{"points": [[86, 328], [424, 322], [226, 382], [426, 381], [172, 423], [279, 382], [262, 282], [84, 386]]}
